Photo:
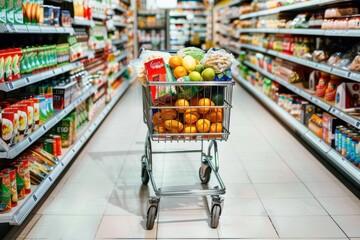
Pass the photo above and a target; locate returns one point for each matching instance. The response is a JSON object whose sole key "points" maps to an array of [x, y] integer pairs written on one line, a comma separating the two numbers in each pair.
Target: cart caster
{"points": [[215, 215], [204, 175], [150, 218], [144, 174]]}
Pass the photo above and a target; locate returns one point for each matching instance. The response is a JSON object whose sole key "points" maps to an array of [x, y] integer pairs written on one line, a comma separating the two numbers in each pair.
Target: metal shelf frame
{"points": [[302, 131], [34, 78], [315, 32], [311, 98], [33, 29], [355, 76], [122, 56], [295, 6], [18, 215]]}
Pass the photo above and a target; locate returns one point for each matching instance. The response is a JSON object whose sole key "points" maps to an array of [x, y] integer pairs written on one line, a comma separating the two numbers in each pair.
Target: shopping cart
{"points": [[162, 117]]}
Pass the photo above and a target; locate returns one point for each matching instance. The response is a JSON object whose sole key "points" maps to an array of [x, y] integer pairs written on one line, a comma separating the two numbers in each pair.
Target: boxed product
{"points": [[329, 123], [348, 95], [63, 95], [18, 12], [315, 125], [307, 110], [9, 11], [2, 11]]}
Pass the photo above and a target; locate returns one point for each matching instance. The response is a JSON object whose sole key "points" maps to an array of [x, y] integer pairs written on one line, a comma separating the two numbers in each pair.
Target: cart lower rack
{"points": [[187, 112]]}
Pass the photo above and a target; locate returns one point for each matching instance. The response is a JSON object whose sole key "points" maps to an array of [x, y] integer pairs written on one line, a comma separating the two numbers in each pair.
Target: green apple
{"points": [[195, 76], [199, 68], [208, 74]]}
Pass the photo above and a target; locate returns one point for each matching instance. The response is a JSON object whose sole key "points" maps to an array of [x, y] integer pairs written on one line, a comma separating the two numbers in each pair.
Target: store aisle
{"points": [[275, 187]]}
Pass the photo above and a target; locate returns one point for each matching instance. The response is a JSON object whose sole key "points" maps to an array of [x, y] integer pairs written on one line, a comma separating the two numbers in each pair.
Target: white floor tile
{"points": [[193, 206], [268, 165], [82, 227], [244, 190], [85, 190], [282, 190], [349, 224], [124, 227], [314, 175], [185, 227], [243, 207], [328, 189], [76, 206], [341, 205], [307, 227], [246, 227], [271, 176], [293, 207], [50, 227]]}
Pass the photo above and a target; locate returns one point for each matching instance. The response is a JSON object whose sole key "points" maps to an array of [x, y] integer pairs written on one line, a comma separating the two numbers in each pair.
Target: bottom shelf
{"points": [[317, 143], [18, 215]]}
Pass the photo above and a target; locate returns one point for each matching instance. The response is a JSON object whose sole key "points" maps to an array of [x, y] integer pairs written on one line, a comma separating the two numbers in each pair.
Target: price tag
{"points": [[27, 80], [35, 198], [73, 150], [62, 164], [44, 127], [10, 85], [65, 111], [357, 124], [11, 28], [50, 179], [30, 140]]}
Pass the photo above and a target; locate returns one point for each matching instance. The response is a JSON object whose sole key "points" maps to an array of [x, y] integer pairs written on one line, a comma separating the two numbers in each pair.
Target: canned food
{"points": [[336, 137], [23, 120], [8, 125], [36, 111], [17, 122], [49, 105], [48, 145], [5, 193], [27, 183], [20, 181], [349, 145], [57, 149], [344, 142], [30, 114], [13, 188]]}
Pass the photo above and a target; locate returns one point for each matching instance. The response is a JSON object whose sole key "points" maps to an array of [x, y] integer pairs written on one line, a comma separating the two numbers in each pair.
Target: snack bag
{"points": [[219, 60]]}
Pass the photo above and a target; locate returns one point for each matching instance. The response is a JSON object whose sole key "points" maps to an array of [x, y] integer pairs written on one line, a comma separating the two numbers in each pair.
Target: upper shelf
{"points": [[296, 6], [122, 56], [83, 22], [231, 3], [355, 76], [118, 8], [33, 78], [316, 32], [22, 28], [99, 16]]}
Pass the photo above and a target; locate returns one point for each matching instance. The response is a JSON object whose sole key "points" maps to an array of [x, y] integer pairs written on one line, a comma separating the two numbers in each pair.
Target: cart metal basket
{"points": [[172, 111]]}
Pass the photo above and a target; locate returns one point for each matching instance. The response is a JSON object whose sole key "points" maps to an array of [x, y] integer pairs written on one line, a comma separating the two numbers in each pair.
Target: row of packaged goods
{"points": [[17, 61], [33, 12], [151, 21], [37, 162], [198, 110], [338, 134], [339, 92], [332, 18], [336, 52], [85, 9]]}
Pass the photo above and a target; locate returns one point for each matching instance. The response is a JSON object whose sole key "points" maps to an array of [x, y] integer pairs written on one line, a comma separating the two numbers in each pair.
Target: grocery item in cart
{"points": [[219, 60]]}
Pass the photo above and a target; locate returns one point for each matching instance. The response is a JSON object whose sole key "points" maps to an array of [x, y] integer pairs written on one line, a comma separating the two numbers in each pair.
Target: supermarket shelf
{"points": [[149, 13], [122, 56], [18, 215], [317, 143], [99, 16], [27, 141], [83, 22], [317, 32], [230, 4], [118, 24], [152, 28], [185, 14], [231, 49], [22, 28], [296, 6], [118, 8], [118, 74], [355, 76], [193, 22], [33, 78], [119, 41], [311, 98]]}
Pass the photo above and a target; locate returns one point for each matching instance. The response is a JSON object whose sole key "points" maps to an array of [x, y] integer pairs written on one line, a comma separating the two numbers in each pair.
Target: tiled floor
{"points": [[275, 188]]}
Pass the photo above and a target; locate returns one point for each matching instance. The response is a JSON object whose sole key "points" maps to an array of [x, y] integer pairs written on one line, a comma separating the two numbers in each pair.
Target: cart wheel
{"points": [[144, 175], [151, 216], [215, 215], [206, 178]]}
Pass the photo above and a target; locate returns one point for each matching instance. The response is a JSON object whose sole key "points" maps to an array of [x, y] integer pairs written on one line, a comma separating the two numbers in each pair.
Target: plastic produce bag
{"points": [[219, 60]]}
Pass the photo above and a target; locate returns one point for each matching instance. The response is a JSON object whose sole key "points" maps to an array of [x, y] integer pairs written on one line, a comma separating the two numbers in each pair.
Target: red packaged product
{"points": [[13, 188], [20, 179]]}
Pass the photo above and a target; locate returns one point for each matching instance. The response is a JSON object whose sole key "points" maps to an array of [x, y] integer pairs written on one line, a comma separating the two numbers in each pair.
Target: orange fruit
{"points": [[182, 104], [175, 61], [179, 72]]}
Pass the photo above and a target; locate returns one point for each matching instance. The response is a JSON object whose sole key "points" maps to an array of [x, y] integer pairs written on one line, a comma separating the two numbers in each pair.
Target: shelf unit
{"points": [[229, 39], [18, 214], [118, 24], [37, 192], [317, 143]]}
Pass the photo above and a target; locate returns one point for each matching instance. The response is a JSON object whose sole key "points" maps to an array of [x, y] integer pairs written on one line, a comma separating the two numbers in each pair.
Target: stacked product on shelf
{"points": [[151, 29], [55, 91], [296, 56], [188, 27]]}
